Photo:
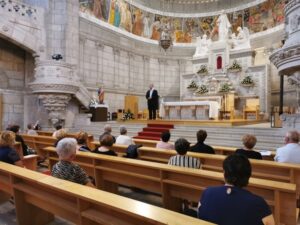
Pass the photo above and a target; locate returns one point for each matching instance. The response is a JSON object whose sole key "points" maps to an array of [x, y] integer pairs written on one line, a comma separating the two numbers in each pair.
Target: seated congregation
{"points": [[227, 204]]}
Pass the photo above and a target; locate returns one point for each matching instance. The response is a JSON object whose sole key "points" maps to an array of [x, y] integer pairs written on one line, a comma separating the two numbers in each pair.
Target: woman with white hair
{"points": [[123, 138], [65, 168]]}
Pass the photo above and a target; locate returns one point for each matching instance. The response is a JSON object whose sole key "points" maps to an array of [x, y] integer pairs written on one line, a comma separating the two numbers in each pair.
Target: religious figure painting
{"points": [[122, 14]]}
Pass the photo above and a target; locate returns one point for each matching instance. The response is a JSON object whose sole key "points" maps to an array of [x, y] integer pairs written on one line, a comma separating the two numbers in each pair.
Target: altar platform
{"points": [[206, 123]]}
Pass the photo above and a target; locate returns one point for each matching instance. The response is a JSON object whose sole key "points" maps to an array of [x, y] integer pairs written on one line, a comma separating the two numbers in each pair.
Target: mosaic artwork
{"points": [[127, 17]]}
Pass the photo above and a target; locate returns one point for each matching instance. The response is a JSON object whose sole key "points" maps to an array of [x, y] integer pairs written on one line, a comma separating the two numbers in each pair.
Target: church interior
{"points": [[147, 81]]}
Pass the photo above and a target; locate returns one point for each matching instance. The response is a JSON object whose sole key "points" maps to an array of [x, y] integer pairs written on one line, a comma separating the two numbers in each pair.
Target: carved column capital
{"points": [[56, 105]]}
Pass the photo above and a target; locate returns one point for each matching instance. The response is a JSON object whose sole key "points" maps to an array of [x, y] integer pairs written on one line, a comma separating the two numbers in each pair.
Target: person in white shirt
{"points": [[123, 139], [30, 130], [290, 153]]}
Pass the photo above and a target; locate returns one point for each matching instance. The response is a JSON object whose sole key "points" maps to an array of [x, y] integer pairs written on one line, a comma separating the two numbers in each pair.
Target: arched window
{"points": [[219, 62]]}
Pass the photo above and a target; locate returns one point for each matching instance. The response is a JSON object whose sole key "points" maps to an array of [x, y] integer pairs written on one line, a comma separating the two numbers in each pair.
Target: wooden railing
{"points": [[38, 197], [176, 183]]}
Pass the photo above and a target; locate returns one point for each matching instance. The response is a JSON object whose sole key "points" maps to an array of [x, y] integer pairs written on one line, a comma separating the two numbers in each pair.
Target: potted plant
{"points": [[202, 89], [235, 67], [225, 88], [192, 86], [247, 81], [128, 115], [203, 70]]}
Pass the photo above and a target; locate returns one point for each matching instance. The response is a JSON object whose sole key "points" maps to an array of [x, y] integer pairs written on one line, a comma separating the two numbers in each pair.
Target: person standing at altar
{"points": [[101, 95], [152, 100]]}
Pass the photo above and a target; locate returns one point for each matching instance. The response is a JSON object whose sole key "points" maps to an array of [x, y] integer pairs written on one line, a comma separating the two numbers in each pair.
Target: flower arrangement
{"points": [[202, 89], [235, 66], [203, 70], [247, 81], [225, 88], [128, 115], [192, 85]]}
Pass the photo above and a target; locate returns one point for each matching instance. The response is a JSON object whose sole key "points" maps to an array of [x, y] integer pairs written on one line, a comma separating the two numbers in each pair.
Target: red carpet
{"points": [[153, 131]]}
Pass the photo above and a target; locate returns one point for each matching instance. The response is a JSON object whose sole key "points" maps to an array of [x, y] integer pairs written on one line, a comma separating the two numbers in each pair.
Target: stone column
{"points": [[146, 61], [100, 72], [116, 53], [281, 94], [131, 72]]}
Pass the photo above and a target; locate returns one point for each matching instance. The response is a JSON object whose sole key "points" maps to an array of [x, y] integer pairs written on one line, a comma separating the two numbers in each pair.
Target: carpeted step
{"points": [[168, 126], [149, 134], [155, 129], [147, 138]]}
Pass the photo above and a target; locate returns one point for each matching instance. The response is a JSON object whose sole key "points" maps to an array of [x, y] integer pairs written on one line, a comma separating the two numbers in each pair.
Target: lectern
{"points": [[99, 113]]}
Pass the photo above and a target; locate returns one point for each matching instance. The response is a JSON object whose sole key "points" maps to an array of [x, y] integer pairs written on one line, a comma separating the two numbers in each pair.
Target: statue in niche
{"points": [[97, 9], [242, 39], [202, 45], [146, 23], [224, 26], [138, 24]]}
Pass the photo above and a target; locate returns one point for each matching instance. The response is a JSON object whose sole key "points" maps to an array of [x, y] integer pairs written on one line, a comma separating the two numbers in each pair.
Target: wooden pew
{"points": [[176, 183], [220, 150], [39, 197], [73, 135], [264, 169], [38, 142], [29, 161]]}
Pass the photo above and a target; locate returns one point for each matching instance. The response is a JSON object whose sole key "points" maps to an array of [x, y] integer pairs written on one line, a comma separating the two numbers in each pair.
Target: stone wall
{"points": [[124, 66], [15, 64]]}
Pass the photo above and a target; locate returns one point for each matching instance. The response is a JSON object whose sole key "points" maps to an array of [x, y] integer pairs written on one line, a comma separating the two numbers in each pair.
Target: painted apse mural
{"points": [[121, 14]]}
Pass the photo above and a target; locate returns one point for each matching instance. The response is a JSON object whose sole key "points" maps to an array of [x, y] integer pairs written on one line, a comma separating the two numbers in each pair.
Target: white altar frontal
{"points": [[190, 110]]}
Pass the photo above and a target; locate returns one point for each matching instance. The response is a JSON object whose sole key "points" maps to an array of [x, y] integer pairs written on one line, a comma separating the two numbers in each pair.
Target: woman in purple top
{"points": [[232, 204]]}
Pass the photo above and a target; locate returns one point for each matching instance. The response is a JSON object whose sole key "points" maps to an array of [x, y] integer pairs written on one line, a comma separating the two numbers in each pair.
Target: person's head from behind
{"points": [[249, 141], [15, 128], [182, 146], [291, 137], [106, 140], [237, 170], [58, 127], [107, 128], [81, 137], [60, 134], [66, 149], [29, 126], [123, 130], [201, 136], [7, 139], [165, 136]]}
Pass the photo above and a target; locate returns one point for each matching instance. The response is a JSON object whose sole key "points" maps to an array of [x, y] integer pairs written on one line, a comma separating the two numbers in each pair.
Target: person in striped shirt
{"points": [[181, 159]]}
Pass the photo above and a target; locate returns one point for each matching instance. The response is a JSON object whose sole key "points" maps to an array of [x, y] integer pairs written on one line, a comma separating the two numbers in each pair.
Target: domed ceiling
{"points": [[194, 6]]}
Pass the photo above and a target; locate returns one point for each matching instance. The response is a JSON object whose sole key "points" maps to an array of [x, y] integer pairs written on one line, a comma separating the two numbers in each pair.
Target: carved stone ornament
{"points": [[56, 105]]}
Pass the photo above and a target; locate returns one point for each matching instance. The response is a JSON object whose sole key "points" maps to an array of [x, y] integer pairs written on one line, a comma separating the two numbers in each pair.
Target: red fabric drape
{"points": [[219, 62]]}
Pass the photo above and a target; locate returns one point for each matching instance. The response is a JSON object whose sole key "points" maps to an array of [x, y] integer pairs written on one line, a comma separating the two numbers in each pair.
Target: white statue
{"points": [[241, 40], [223, 26], [202, 45]]}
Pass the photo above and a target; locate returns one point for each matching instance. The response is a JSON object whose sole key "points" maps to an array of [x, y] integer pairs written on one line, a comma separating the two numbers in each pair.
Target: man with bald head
{"points": [[290, 153], [152, 100]]}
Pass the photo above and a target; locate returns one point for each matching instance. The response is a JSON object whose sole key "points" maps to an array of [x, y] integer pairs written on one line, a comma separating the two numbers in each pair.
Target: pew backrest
{"points": [[38, 197], [175, 183]]}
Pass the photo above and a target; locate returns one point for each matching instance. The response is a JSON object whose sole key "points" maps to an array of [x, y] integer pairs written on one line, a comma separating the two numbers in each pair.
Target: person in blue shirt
{"points": [[231, 204]]}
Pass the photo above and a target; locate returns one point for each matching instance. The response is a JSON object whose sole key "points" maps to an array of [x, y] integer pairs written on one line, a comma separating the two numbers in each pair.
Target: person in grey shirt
{"points": [[290, 153]]}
